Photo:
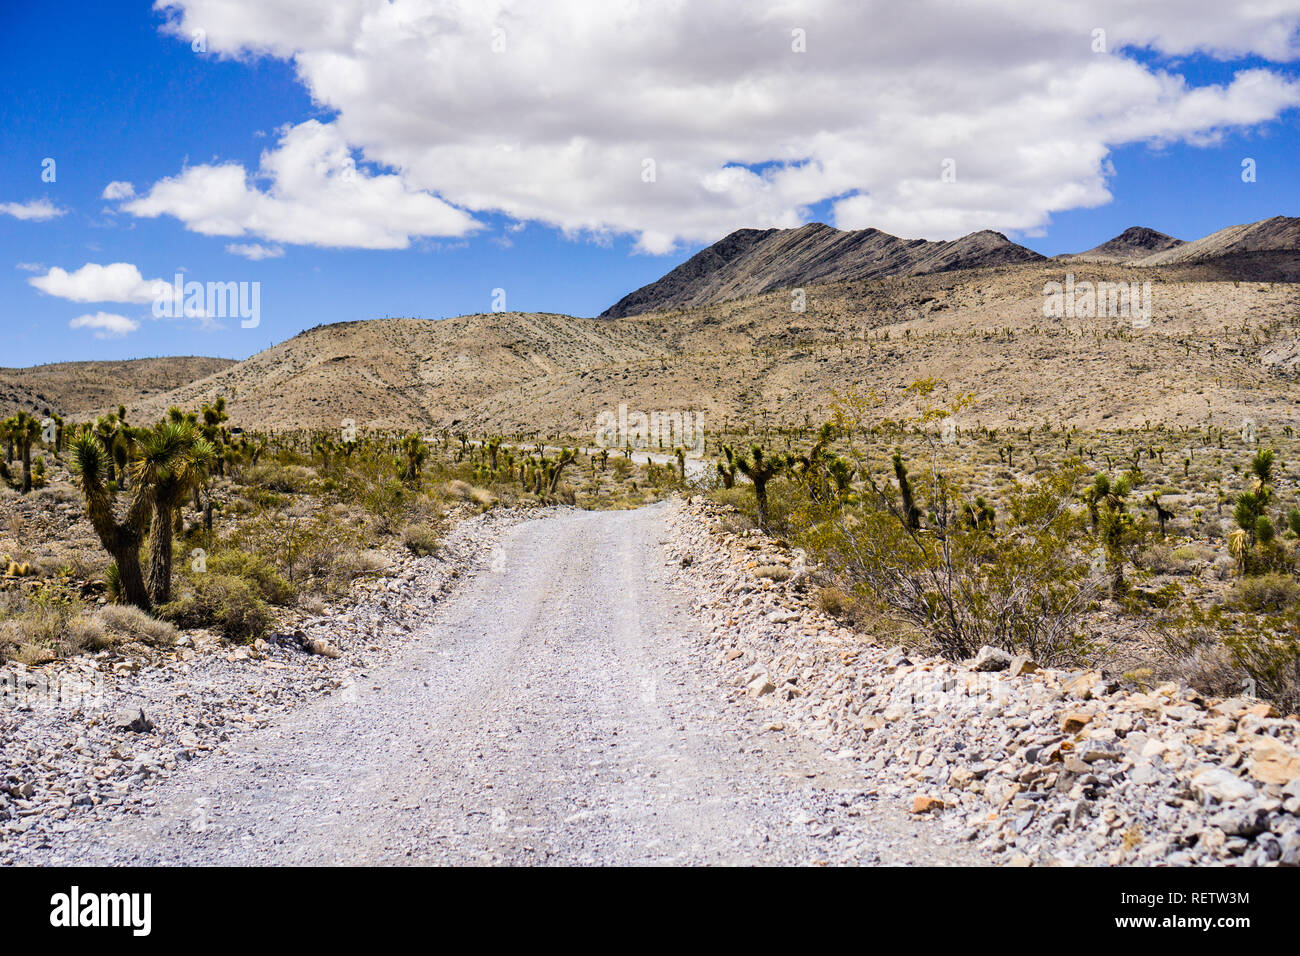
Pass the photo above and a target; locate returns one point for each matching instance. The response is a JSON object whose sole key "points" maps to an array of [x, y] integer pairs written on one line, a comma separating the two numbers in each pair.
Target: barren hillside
{"points": [[1212, 351], [78, 388], [753, 261]]}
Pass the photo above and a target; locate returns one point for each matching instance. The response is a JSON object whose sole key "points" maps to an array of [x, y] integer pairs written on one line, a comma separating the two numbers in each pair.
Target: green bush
{"points": [[227, 604], [1267, 592], [1021, 586], [257, 571]]}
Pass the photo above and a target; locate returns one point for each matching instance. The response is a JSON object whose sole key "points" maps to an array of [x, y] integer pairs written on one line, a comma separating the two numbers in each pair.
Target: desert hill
{"points": [[754, 261], [1136, 242], [1279, 234], [79, 388], [1210, 351]]}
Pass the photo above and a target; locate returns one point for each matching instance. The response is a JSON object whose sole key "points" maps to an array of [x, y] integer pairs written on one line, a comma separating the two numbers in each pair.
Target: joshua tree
{"points": [[1163, 514], [1106, 507], [979, 515], [213, 417], [414, 453], [760, 470], [7, 428], [567, 457], [841, 471], [121, 539], [727, 471], [26, 431], [911, 516], [171, 459]]}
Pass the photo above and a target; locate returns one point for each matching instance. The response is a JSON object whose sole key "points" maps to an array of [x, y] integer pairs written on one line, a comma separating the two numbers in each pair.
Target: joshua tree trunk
{"points": [[160, 553], [129, 577], [27, 466], [760, 496]]}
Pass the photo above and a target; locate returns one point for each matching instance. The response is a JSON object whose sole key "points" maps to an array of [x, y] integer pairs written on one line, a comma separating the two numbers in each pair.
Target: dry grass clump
{"points": [[421, 539], [122, 623]]}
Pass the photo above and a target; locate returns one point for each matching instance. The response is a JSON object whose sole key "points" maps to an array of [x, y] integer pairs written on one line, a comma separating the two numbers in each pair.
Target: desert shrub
{"points": [[470, 493], [125, 622], [385, 501], [332, 571], [421, 539], [257, 571], [286, 479], [88, 633], [229, 605], [833, 601], [1021, 586], [1270, 657], [773, 572], [38, 631], [1162, 559], [1266, 592]]}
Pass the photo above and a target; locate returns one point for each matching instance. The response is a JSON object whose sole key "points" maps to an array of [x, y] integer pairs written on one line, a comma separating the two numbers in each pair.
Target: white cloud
{"points": [[29, 266], [556, 126], [317, 197], [117, 282], [118, 189], [106, 324], [255, 251], [38, 210]]}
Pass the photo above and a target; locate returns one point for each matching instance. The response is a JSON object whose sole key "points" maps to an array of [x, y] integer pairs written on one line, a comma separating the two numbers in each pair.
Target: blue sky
{"points": [[106, 94]]}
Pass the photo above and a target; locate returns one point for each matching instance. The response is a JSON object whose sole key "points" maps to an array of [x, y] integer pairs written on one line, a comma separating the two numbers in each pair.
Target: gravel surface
{"points": [[560, 706], [1033, 766]]}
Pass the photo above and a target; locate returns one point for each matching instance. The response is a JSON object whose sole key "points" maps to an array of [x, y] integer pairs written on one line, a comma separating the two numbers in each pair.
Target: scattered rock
{"points": [[991, 659]]}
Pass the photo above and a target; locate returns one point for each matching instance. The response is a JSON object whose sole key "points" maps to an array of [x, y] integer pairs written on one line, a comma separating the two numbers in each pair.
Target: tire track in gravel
{"points": [[553, 711]]}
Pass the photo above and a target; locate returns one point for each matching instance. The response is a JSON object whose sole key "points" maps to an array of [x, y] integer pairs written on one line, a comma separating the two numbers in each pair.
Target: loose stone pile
{"points": [[1036, 766], [81, 739]]}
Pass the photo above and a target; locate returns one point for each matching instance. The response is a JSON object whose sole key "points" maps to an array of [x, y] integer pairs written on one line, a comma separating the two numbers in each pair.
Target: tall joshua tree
{"points": [[760, 469], [27, 430], [171, 459], [91, 463], [911, 514]]}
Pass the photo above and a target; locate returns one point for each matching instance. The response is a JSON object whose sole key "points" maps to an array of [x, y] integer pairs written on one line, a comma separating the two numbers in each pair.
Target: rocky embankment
{"points": [[1033, 765], [83, 739]]}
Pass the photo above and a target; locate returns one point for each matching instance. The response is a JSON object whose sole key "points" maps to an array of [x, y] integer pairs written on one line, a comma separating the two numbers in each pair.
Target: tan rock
{"points": [[1086, 685], [1022, 664], [1273, 762], [1074, 721], [924, 803]]}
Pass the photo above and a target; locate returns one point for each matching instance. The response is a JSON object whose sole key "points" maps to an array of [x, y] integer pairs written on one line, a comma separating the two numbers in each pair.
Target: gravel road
{"points": [[555, 710]]}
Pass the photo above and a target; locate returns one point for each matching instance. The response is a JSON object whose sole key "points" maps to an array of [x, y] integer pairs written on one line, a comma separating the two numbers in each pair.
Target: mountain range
{"points": [[721, 335]]}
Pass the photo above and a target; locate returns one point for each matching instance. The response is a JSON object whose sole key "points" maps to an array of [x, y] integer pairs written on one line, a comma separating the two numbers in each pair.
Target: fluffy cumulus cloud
{"points": [[106, 325], [38, 210], [684, 120], [118, 189], [116, 282], [316, 196]]}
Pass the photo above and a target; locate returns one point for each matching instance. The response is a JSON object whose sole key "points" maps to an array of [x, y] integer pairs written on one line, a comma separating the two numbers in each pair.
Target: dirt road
{"points": [[554, 711]]}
